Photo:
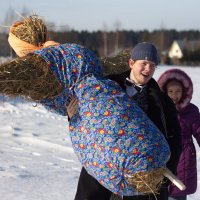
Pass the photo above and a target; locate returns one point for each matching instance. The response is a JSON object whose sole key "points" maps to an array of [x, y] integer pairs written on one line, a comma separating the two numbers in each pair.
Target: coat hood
{"points": [[181, 76]]}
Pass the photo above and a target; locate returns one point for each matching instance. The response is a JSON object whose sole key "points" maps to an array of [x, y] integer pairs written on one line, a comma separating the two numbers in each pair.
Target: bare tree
{"points": [[51, 26], [117, 28], [64, 28], [105, 39], [25, 12], [162, 36], [10, 17]]}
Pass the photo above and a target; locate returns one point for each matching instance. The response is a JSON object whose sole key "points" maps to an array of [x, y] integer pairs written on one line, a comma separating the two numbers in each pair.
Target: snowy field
{"points": [[36, 157]]}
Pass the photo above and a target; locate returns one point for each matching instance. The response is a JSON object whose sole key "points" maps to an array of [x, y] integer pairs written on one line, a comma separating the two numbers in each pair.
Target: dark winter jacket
{"points": [[162, 112], [189, 118]]}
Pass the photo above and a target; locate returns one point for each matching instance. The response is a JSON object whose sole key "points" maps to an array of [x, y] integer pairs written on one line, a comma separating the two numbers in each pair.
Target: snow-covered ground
{"points": [[36, 157]]}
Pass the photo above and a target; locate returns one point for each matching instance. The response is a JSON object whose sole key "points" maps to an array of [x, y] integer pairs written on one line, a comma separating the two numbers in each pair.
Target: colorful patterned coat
{"points": [[110, 134]]}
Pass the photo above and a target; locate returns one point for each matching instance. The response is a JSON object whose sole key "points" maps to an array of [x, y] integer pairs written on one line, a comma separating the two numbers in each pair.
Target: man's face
{"points": [[141, 71]]}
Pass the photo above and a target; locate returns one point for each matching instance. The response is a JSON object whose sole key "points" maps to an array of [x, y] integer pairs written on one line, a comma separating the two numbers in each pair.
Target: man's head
{"points": [[144, 58]]}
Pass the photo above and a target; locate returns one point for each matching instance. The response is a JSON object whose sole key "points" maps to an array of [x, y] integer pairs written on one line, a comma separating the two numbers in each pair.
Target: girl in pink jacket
{"points": [[178, 85]]}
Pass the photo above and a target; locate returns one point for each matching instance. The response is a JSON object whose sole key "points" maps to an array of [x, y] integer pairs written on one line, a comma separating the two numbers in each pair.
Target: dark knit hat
{"points": [[145, 51]]}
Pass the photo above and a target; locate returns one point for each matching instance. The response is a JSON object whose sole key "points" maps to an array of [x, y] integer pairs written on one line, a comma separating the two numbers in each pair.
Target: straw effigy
{"points": [[32, 76]]}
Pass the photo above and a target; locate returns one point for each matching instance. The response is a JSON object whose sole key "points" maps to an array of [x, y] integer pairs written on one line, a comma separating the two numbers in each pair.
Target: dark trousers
{"points": [[90, 189]]}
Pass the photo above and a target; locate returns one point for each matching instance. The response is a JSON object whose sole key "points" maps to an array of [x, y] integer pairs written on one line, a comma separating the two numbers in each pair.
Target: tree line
{"points": [[106, 44]]}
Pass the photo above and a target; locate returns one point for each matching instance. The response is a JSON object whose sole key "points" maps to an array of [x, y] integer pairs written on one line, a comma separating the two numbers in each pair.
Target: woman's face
{"points": [[175, 91]]}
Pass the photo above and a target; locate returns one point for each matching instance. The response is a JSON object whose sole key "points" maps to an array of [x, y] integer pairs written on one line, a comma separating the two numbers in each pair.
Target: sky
{"points": [[37, 160], [109, 15]]}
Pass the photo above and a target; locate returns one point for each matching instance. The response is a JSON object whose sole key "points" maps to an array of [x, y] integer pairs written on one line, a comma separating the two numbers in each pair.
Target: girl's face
{"points": [[175, 91]]}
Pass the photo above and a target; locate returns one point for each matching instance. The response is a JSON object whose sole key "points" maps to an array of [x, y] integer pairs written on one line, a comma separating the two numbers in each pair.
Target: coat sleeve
{"points": [[173, 133], [196, 125], [169, 125]]}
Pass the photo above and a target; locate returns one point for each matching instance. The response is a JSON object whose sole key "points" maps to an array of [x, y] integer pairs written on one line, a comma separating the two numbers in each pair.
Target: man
{"points": [[139, 84]]}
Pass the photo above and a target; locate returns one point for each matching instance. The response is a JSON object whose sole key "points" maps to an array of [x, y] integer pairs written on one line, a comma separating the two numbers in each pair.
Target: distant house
{"points": [[177, 48]]}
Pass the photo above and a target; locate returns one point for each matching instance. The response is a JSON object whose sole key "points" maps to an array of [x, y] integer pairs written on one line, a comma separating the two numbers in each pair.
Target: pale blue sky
{"points": [[128, 14]]}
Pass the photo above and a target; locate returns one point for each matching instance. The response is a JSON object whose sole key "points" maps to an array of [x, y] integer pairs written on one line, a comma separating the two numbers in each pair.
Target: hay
{"points": [[116, 64], [28, 76], [32, 30], [147, 182]]}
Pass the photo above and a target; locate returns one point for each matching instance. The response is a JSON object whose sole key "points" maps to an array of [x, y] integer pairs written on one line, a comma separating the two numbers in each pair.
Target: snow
{"points": [[36, 157]]}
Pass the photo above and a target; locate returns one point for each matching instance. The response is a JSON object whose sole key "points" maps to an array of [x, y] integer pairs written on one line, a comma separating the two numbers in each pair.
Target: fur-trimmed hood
{"points": [[181, 76]]}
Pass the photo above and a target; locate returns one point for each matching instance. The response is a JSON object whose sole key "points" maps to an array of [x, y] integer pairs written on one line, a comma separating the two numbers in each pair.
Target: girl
{"points": [[178, 85]]}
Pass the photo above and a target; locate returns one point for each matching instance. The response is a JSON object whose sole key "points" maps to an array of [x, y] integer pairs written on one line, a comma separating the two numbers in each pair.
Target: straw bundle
{"points": [[32, 30], [147, 182], [29, 76], [116, 64]]}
